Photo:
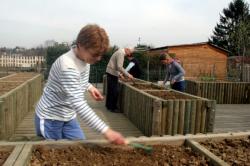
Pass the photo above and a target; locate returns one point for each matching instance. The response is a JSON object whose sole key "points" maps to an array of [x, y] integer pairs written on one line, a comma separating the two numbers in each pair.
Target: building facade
{"points": [[19, 60]]}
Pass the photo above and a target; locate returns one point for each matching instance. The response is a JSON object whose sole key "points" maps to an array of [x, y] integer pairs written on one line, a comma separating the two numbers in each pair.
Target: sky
{"points": [[29, 23]]}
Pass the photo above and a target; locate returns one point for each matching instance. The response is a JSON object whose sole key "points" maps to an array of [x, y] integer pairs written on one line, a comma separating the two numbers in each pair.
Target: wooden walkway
{"points": [[232, 118], [229, 118], [116, 121]]}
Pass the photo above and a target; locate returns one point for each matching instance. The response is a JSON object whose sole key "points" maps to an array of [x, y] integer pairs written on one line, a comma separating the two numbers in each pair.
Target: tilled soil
{"points": [[5, 151], [146, 86], [11, 82], [17, 79], [168, 95], [89, 155], [232, 151], [7, 86]]}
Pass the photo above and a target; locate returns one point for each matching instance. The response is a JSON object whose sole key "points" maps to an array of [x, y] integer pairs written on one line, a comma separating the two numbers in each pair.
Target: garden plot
{"points": [[144, 86], [107, 155], [5, 152], [12, 81], [167, 95], [8, 86], [167, 150], [232, 151]]}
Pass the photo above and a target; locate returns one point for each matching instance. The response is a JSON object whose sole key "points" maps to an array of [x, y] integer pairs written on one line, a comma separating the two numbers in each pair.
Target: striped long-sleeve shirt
{"points": [[63, 95]]}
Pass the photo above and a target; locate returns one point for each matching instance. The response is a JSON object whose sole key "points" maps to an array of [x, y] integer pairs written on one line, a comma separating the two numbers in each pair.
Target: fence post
{"points": [[148, 70], [156, 125], [2, 120], [210, 115]]}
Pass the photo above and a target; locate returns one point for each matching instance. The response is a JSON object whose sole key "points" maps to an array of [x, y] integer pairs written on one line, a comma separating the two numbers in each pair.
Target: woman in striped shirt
{"points": [[63, 95]]}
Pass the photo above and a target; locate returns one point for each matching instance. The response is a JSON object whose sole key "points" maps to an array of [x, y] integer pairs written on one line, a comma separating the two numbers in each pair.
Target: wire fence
{"points": [[96, 74], [239, 73], [153, 75]]}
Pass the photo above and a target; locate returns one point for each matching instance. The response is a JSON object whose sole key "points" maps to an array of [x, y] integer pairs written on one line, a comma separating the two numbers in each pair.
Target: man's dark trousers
{"points": [[112, 92]]}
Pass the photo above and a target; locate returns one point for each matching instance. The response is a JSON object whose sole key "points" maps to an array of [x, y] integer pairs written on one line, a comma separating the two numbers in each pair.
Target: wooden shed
{"points": [[198, 59]]}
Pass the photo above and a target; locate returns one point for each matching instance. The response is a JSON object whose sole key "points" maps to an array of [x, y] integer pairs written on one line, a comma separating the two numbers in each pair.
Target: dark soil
{"points": [[232, 151], [168, 95], [89, 155], [146, 86], [4, 153]]}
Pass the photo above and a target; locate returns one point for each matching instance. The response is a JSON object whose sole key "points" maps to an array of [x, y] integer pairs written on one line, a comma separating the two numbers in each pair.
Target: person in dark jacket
{"points": [[133, 67], [175, 73]]}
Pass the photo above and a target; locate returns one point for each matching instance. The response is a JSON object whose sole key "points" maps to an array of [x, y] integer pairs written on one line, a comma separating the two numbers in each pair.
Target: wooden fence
{"points": [[222, 92], [157, 116], [246, 73], [15, 103]]}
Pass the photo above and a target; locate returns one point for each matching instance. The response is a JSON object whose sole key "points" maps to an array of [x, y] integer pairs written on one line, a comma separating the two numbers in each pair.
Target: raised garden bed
{"points": [[90, 154], [5, 151], [18, 94], [167, 150], [166, 112], [232, 151]]}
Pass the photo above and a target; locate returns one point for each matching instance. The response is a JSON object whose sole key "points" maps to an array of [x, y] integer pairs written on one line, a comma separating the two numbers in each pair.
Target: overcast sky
{"points": [[29, 23]]}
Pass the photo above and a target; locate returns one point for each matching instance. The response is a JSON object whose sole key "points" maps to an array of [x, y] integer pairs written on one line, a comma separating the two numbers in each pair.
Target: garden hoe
{"points": [[147, 149]]}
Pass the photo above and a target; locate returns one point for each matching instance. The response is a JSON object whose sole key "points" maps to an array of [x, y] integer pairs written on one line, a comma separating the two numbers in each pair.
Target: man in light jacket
{"points": [[114, 69]]}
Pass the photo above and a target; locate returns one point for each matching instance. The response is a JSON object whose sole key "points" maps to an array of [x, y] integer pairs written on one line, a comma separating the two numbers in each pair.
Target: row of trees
{"points": [[147, 63], [233, 30]]}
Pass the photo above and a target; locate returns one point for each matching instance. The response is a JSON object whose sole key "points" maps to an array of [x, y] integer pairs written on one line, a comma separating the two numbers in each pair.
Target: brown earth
{"points": [[7, 86], [168, 95], [17, 79], [11, 82], [4, 153], [232, 151], [146, 86], [89, 155]]}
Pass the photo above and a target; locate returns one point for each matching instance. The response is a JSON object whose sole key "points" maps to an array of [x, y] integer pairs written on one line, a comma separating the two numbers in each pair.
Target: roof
{"points": [[193, 44]]}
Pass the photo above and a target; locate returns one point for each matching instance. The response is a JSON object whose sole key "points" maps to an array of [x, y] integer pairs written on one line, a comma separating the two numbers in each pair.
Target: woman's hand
{"points": [[114, 137], [172, 82], [95, 93]]}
